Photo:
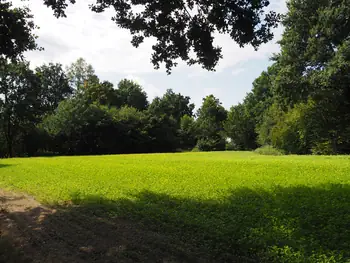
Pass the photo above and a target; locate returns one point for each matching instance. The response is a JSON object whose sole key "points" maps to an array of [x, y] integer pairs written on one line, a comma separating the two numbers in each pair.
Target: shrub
{"points": [[195, 149], [323, 148], [230, 146], [211, 144], [268, 150]]}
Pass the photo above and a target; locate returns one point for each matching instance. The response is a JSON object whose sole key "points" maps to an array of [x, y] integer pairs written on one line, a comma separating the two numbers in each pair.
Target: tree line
{"points": [[51, 110], [300, 104]]}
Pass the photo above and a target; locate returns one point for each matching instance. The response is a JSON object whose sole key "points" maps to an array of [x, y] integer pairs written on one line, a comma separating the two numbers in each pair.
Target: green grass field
{"points": [[228, 205]]}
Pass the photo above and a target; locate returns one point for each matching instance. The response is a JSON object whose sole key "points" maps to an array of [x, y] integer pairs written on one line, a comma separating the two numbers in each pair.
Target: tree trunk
{"points": [[334, 144], [9, 138], [7, 129], [9, 148]]}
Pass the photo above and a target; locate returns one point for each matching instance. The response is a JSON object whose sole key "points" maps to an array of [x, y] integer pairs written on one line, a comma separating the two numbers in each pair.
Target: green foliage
{"points": [[134, 137], [77, 128], [178, 33], [163, 133], [291, 132], [187, 132], [210, 125], [195, 149], [3, 148], [228, 205], [25, 98], [129, 93], [54, 86], [79, 73], [211, 144], [16, 27], [240, 128], [99, 92], [172, 104], [323, 148], [268, 150], [230, 146], [261, 97], [269, 119], [19, 103], [40, 114], [300, 104]]}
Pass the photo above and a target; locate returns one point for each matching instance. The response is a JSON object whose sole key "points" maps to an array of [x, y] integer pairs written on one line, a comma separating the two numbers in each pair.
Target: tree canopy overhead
{"points": [[184, 29]]}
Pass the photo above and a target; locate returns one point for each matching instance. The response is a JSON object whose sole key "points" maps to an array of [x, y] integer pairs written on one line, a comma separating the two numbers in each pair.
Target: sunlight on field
{"points": [[194, 175]]}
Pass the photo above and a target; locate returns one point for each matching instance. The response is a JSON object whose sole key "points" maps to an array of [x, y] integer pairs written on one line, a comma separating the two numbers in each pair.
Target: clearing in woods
{"points": [[188, 207]]}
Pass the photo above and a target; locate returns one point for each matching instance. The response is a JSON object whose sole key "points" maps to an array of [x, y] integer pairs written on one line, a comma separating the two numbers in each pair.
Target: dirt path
{"points": [[30, 232], [18, 215]]}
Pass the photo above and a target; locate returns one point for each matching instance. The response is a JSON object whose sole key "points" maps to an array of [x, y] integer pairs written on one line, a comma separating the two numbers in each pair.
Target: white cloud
{"points": [[237, 71], [212, 91], [96, 38], [86, 34]]}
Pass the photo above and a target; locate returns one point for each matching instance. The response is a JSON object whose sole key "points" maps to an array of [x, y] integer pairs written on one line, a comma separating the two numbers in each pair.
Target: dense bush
{"points": [[211, 144], [77, 128], [268, 150], [323, 148], [291, 132]]}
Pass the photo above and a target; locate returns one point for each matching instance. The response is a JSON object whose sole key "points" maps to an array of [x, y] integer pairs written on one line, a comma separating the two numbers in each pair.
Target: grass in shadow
{"points": [[290, 224], [4, 165]]}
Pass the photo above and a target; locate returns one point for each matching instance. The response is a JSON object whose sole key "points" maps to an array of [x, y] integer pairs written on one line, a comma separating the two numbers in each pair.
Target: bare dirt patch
{"points": [[30, 232]]}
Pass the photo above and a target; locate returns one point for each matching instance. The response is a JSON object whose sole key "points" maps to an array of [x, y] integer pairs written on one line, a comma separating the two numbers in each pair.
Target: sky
{"points": [[107, 47]]}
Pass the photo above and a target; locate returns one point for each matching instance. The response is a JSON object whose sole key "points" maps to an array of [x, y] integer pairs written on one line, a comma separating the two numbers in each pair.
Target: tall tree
{"points": [[172, 104], [129, 93], [79, 73], [188, 132], [210, 124], [262, 95], [310, 41], [175, 109], [314, 64], [307, 105], [54, 86], [19, 92], [101, 92], [163, 133], [240, 128]]}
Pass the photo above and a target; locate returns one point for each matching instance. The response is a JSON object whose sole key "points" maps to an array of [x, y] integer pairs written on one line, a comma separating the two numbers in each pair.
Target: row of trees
{"points": [[72, 111], [300, 104]]}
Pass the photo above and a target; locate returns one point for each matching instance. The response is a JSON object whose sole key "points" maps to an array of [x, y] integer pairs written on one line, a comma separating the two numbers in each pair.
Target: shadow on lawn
{"points": [[4, 165], [290, 224]]}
